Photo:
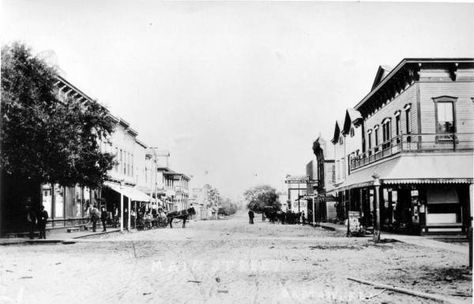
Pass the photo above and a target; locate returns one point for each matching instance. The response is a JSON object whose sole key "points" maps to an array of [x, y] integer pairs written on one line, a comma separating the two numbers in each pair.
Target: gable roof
{"points": [[337, 132], [353, 117], [382, 72]]}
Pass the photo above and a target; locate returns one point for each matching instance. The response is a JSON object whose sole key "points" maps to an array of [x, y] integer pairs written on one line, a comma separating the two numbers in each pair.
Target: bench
{"points": [[73, 229]]}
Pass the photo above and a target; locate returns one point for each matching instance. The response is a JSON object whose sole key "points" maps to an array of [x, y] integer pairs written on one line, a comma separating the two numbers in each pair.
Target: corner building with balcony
{"points": [[417, 129]]}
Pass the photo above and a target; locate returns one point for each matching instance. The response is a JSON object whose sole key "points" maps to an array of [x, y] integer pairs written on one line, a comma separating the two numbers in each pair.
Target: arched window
{"points": [[376, 135], [369, 139], [386, 130]]}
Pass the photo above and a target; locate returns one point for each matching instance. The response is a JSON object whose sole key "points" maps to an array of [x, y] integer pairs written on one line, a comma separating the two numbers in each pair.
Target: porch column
{"points": [[377, 209], [53, 205], [121, 208], [348, 204], [128, 213], [469, 234]]}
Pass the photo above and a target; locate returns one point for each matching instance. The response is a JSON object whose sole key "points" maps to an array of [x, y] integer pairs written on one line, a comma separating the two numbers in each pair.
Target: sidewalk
{"points": [[416, 240], [57, 236]]}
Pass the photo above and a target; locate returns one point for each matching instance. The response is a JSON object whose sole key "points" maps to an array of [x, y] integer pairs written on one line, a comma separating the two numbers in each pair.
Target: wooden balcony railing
{"points": [[414, 143]]}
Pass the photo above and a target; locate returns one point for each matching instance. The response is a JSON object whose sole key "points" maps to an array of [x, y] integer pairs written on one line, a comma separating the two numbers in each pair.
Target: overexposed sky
{"points": [[237, 91]]}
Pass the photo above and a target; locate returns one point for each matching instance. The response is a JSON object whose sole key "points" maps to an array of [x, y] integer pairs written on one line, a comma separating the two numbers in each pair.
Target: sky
{"points": [[236, 91]]}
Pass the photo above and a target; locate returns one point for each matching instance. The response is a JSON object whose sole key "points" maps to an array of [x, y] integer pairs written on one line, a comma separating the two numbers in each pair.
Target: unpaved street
{"points": [[227, 261]]}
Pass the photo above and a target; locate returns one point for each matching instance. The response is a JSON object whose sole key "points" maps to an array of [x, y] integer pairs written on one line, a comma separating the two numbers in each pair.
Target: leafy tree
{"points": [[213, 197], [227, 207], [260, 197], [45, 139]]}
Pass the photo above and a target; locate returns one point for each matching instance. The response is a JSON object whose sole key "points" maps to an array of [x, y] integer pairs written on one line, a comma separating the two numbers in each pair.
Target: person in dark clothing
{"points": [[42, 219], [30, 218], [303, 218], [94, 217], [251, 216], [103, 218]]}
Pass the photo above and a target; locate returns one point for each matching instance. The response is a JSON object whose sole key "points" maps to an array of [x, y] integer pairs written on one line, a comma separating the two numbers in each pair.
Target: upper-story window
{"points": [[445, 116], [397, 123], [116, 160], [340, 140], [408, 117], [121, 160], [386, 126], [376, 135], [369, 139], [352, 132]]}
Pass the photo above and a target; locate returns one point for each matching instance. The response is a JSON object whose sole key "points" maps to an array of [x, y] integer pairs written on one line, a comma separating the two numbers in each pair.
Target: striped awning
{"points": [[422, 168], [132, 193]]}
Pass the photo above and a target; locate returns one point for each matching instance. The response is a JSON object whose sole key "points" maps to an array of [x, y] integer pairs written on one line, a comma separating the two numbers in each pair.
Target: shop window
{"points": [[58, 201]]}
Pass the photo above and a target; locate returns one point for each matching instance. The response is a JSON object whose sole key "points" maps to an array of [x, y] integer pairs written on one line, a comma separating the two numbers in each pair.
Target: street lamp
{"points": [[376, 178]]}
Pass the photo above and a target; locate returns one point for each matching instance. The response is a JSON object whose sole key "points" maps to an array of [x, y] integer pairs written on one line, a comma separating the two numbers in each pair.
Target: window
{"points": [[386, 130], [116, 159], [121, 160], [376, 135], [340, 140], [352, 132], [445, 117], [369, 139], [408, 118], [397, 123]]}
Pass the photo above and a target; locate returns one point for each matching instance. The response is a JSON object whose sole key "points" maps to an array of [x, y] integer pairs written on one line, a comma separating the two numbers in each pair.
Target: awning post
{"points": [[377, 208], [121, 207]]}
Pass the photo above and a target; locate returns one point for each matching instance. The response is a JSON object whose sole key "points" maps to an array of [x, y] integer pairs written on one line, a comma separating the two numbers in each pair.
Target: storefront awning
{"points": [[415, 169], [130, 192]]}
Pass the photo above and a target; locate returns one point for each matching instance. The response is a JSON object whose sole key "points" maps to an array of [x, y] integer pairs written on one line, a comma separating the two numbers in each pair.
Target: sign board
{"points": [[302, 180]]}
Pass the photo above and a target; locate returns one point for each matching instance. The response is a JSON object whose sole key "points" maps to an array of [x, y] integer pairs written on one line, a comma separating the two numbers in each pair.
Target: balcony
{"points": [[419, 143]]}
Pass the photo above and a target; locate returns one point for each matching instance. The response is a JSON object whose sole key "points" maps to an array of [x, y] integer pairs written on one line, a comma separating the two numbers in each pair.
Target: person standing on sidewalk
{"points": [[103, 219], [94, 217], [251, 216], [30, 218], [42, 219]]}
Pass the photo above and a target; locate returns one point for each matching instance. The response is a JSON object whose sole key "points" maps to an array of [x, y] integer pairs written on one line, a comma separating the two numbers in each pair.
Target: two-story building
{"points": [[416, 153]]}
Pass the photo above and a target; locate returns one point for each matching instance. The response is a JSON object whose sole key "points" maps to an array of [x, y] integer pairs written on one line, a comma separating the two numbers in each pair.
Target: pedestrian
{"points": [[94, 217], [133, 217], [303, 218], [103, 218], [42, 219], [251, 216], [30, 218]]}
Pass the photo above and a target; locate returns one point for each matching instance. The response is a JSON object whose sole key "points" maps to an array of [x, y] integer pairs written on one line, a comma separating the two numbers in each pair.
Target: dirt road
{"points": [[227, 261]]}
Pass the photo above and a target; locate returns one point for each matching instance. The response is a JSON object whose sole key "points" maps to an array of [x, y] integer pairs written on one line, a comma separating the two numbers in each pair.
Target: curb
{"points": [[95, 234]]}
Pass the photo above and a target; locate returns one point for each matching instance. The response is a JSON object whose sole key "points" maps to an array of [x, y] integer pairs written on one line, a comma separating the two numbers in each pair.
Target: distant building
{"points": [[324, 204]]}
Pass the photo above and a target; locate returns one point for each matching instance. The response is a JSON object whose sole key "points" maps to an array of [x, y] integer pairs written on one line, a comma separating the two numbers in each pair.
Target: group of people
{"points": [[95, 215], [36, 219], [273, 215], [148, 219]]}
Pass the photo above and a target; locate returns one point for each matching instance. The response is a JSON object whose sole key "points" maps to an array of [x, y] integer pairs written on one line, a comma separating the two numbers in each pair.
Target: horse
{"points": [[182, 214]]}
